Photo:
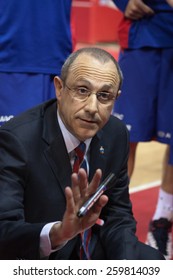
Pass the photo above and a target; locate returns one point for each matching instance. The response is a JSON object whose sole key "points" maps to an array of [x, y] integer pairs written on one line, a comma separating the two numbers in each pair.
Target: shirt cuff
{"points": [[45, 244]]}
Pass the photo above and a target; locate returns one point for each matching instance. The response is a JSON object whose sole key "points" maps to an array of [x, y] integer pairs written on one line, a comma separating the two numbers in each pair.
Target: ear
{"points": [[118, 93], [58, 86]]}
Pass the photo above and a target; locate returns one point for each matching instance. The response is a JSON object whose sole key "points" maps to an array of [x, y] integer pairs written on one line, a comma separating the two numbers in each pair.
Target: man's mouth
{"points": [[91, 121]]}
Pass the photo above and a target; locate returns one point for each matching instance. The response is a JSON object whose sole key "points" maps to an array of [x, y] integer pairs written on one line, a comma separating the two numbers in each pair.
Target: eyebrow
{"points": [[104, 87]]}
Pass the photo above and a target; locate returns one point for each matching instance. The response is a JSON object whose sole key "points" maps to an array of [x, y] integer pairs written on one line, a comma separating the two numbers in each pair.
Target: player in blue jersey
{"points": [[146, 59], [35, 40]]}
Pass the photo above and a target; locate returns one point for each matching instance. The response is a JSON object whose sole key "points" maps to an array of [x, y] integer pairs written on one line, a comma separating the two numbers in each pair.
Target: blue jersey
{"points": [[154, 31], [35, 35]]}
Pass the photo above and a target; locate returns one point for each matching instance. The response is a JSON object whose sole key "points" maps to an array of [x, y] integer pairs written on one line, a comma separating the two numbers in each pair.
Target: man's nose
{"points": [[92, 103]]}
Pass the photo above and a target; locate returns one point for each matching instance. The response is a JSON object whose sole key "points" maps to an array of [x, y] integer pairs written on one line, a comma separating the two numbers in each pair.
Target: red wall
{"points": [[94, 22]]}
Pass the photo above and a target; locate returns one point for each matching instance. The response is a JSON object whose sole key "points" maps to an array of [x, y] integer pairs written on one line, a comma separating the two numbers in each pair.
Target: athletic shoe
{"points": [[159, 236]]}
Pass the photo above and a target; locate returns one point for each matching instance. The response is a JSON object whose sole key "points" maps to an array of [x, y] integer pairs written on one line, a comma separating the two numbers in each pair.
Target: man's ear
{"points": [[118, 94], [58, 86]]}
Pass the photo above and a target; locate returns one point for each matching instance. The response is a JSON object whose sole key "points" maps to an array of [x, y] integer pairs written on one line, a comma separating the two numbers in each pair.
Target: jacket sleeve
{"points": [[119, 236], [18, 238], [121, 4]]}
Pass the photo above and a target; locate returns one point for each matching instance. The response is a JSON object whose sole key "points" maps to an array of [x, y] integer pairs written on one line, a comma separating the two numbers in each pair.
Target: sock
{"points": [[164, 208]]}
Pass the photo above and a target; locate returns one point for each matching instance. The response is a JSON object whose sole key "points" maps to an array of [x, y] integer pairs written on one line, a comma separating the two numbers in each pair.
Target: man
{"points": [[146, 59], [38, 208]]}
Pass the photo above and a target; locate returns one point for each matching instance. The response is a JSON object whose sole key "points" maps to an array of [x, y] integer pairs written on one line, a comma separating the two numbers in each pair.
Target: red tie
{"points": [[79, 158], [86, 235]]}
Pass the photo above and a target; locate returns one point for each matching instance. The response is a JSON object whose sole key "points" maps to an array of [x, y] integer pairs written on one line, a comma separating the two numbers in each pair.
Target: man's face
{"points": [[84, 118]]}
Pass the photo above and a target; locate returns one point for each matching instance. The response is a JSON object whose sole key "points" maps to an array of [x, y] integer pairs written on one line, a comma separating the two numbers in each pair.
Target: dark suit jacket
{"points": [[34, 170]]}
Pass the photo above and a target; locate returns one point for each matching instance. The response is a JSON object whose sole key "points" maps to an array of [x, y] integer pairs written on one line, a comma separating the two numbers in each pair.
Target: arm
{"points": [[118, 232], [120, 225], [18, 239]]}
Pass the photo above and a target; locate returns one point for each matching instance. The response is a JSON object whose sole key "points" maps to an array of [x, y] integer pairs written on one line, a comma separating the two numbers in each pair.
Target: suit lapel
{"points": [[58, 158], [55, 151]]}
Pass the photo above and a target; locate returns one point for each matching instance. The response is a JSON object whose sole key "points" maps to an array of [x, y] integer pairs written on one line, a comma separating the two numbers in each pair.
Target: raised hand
{"points": [[80, 191], [136, 9]]}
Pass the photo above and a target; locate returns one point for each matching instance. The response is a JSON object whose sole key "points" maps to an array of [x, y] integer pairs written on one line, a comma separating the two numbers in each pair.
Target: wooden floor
{"points": [[148, 166]]}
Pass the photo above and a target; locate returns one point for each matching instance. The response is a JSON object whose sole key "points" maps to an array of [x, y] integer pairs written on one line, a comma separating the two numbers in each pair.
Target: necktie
{"points": [[79, 157], [86, 235]]}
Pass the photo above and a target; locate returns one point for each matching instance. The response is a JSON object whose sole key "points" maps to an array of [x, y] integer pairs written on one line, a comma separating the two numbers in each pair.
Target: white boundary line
{"points": [[144, 187]]}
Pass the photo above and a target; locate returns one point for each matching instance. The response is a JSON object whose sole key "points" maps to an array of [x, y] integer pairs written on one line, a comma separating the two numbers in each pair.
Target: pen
{"points": [[106, 184]]}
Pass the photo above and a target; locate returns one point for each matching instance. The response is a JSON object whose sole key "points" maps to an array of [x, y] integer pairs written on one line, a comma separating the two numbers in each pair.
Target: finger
{"points": [[146, 10], [93, 214], [83, 183], [75, 187], [95, 182], [80, 186], [102, 201], [134, 16], [70, 203]]}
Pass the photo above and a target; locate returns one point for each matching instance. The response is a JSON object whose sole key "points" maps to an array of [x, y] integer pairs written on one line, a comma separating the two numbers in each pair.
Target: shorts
{"points": [[21, 91], [146, 102]]}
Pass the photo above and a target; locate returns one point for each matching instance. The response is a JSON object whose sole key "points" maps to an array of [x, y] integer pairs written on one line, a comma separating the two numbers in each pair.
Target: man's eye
{"points": [[82, 91], [104, 95]]}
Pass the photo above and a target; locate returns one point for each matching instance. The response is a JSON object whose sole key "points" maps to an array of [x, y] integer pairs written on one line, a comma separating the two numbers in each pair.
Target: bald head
{"points": [[99, 54]]}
